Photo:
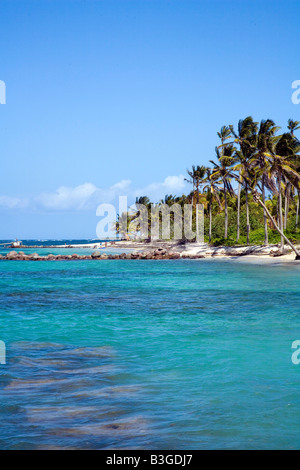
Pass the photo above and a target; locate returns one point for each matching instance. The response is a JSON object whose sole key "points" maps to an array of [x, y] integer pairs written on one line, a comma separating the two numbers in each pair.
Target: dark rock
{"points": [[174, 256], [160, 251], [96, 254]]}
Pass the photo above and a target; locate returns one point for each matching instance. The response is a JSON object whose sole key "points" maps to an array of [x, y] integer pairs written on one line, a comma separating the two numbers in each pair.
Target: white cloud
{"points": [[87, 196], [171, 185], [7, 202], [66, 198]]}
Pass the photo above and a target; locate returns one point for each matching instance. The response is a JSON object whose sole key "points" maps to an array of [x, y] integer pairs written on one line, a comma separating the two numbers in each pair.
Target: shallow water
{"points": [[182, 354]]}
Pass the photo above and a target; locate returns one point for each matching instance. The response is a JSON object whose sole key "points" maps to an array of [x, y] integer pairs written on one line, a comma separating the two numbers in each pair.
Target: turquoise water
{"points": [[180, 354]]}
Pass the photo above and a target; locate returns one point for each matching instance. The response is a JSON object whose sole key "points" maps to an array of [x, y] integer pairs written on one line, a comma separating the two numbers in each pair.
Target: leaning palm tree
{"points": [[281, 165], [222, 171], [296, 185], [213, 190], [252, 181]]}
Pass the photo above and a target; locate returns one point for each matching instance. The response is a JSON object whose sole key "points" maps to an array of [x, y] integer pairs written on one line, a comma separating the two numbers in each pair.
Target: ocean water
{"points": [[181, 354], [45, 247]]}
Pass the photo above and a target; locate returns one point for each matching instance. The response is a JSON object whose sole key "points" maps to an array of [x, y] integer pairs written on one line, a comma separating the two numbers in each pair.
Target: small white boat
{"points": [[16, 244]]}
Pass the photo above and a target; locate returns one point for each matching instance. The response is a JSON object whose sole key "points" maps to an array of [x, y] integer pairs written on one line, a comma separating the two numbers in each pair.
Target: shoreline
{"points": [[162, 250]]}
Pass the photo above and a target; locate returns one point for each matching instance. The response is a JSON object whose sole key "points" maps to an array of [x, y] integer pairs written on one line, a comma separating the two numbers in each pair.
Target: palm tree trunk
{"points": [[210, 219], [287, 204], [280, 209], [285, 212], [226, 213], [297, 213], [257, 198], [265, 215], [193, 195], [238, 210], [247, 211]]}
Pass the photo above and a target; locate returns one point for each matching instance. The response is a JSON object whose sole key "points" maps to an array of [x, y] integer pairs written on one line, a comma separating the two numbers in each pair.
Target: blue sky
{"points": [[108, 98]]}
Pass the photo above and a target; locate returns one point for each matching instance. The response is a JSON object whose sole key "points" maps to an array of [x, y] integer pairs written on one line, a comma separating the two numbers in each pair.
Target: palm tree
{"points": [[293, 126], [225, 133], [192, 175], [246, 137], [267, 130], [213, 192], [197, 176], [257, 198], [281, 165], [222, 172], [296, 185], [252, 182]]}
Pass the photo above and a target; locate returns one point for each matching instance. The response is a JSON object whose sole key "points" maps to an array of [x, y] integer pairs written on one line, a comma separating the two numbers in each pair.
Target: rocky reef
{"points": [[158, 254]]}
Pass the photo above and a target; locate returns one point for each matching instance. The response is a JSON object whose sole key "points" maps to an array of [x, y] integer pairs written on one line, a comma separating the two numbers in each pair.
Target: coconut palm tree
{"points": [[192, 180], [245, 137], [213, 190], [224, 134], [197, 176], [293, 126], [222, 171], [281, 165], [252, 182], [267, 130]]}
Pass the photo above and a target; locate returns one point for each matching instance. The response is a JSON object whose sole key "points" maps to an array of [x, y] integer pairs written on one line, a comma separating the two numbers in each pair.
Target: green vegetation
{"points": [[251, 190]]}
